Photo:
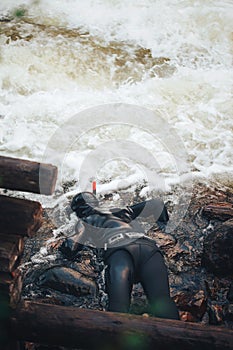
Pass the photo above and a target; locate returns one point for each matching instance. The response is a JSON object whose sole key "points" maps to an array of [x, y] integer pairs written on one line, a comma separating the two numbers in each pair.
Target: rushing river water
{"points": [[66, 62], [135, 94]]}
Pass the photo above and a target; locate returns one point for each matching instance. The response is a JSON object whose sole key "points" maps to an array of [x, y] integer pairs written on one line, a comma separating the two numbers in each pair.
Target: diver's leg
{"points": [[119, 280], [154, 279]]}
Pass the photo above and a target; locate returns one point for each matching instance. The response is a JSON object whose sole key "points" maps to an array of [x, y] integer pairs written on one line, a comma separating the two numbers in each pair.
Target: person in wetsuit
{"points": [[130, 256]]}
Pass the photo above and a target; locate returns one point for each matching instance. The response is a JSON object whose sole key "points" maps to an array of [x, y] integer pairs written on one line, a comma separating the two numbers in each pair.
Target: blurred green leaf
{"points": [[19, 12]]}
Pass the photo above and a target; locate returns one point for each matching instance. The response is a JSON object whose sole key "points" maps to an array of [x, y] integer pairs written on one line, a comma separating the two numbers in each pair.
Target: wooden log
{"points": [[11, 287], [220, 211], [92, 329], [17, 239], [9, 255], [19, 215], [10, 292], [11, 248], [28, 176]]}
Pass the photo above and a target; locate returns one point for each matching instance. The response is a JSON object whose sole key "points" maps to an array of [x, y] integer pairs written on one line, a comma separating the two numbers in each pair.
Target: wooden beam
{"points": [[21, 216], [9, 254], [24, 175], [17, 239], [11, 287], [11, 248], [92, 329], [220, 211]]}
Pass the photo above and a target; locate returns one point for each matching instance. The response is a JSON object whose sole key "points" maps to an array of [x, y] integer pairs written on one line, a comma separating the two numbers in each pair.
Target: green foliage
{"points": [[20, 12]]}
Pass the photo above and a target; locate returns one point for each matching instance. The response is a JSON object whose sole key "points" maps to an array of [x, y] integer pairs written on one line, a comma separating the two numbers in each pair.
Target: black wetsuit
{"points": [[130, 256]]}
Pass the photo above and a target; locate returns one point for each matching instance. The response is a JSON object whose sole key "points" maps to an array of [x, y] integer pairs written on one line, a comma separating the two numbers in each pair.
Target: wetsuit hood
{"points": [[84, 204]]}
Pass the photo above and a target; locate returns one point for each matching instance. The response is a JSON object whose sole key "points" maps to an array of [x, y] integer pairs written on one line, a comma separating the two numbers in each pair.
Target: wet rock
{"points": [[218, 248], [178, 257], [215, 314], [186, 316], [230, 293], [200, 220], [228, 313], [139, 303], [164, 240], [67, 281], [205, 319], [85, 268], [193, 302]]}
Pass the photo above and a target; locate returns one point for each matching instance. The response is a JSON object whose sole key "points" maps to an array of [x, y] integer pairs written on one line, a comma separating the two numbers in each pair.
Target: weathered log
{"points": [[92, 329], [11, 287], [11, 248], [9, 255], [21, 216], [17, 239], [28, 176], [220, 211]]}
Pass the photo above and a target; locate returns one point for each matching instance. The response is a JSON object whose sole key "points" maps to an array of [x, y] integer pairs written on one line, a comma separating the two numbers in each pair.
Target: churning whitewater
{"points": [[171, 58]]}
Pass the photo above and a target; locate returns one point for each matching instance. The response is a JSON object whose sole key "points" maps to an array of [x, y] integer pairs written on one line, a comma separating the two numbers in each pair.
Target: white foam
{"points": [[49, 79]]}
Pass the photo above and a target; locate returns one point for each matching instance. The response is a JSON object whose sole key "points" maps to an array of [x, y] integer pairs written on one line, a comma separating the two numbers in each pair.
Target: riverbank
{"points": [[202, 291]]}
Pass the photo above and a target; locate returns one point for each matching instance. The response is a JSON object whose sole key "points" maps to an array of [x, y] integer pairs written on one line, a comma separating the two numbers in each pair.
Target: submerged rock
{"points": [[193, 302], [67, 281], [218, 248]]}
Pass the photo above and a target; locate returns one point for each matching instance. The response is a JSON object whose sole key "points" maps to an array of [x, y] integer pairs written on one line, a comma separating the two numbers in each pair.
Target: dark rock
{"points": [[139, 303], [215, 314], [67, 281], [230, 293], [186, 316], [217, 287], [193, 302], [218, 248], [164, 240], [85, 268], [228, 313]]}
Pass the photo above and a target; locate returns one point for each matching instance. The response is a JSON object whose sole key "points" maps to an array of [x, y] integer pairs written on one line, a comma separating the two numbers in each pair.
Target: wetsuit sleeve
{"points": [[125, 214], [155, 207]]}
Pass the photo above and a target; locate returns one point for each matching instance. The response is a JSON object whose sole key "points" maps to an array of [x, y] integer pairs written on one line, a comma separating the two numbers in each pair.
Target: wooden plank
{"points": [[19, 215], [11, 287], [24, 175], [11, 248], [9, 254], [17, 239], [220, 211], [92, 329]]}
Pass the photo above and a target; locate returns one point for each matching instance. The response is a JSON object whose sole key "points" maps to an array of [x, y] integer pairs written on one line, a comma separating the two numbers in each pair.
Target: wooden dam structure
{"points": [[28, 321]]}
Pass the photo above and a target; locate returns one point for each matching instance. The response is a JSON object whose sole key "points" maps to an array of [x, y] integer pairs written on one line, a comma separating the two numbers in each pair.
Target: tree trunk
{"points": [[91, 329], [28, 176], [19, 216]]}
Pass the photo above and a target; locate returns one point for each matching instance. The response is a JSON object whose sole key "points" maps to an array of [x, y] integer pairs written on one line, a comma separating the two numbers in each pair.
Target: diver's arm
{"points": [[155, 207]]}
